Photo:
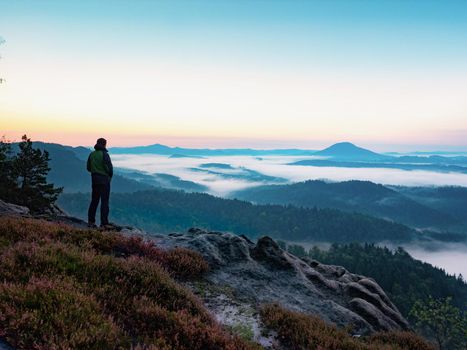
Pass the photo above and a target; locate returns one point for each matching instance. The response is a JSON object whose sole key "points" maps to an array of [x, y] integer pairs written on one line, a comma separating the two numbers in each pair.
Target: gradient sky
{"points": [[391, 75]]}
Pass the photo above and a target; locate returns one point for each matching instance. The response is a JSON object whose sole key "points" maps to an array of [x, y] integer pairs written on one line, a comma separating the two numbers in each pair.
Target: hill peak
{"points": [[349, 150]]}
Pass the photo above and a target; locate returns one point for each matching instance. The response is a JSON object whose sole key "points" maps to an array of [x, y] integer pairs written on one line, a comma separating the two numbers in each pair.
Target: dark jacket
{"points": [[100, 165]]}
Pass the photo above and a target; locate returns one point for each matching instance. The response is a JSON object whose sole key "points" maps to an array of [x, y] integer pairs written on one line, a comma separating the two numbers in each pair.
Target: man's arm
{"points": [[88, 164], [108, 164]]}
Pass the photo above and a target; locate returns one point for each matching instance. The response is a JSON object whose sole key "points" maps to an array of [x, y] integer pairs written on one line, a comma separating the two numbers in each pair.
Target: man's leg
{"points": [[105, 204], [94, 203]]}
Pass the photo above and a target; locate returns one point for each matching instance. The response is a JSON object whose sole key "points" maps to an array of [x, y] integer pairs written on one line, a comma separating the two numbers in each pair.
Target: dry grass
{"points": [[65, 288], [299, 332]]}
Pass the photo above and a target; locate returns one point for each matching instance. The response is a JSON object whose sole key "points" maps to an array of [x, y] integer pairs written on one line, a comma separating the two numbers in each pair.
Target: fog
{"points": [[277, 166], [448, 256], [451, 257]]}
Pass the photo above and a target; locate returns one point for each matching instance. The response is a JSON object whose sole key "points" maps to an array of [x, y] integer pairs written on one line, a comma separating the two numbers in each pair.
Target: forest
{"points": [[166, 211]]}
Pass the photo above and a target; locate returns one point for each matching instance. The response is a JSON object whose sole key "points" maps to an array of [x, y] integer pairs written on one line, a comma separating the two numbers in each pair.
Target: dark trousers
{"points": [[100, 192]]}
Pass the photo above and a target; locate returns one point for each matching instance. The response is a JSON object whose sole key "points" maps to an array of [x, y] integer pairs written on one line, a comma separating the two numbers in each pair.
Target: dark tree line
{"points": [[23, 177], [167, 211]]}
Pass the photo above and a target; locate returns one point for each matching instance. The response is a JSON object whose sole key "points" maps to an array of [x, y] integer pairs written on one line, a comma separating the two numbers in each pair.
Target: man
{"points": [[101, 169]]}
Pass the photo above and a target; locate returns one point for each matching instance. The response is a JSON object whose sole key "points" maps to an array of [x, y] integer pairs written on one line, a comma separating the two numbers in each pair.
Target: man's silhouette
{"points": [[101, 169]]}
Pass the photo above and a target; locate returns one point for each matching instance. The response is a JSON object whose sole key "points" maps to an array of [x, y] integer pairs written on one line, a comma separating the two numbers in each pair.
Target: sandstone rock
{"points": [[12, 209], [262, 273]]}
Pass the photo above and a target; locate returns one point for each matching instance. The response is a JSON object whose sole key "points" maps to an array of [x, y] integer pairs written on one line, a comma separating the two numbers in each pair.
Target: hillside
{"points": [[451, 200], [348, 151], [442, 168], [199, 152], [59, 290], [357, 196], [167, 211]]}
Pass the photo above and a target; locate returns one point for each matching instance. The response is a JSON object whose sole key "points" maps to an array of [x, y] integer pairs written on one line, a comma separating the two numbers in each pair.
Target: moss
{"points": [[244, 331]]}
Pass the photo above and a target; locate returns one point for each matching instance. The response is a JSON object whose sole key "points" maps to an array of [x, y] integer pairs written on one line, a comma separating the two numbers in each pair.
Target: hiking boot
{"points": [[108, 226], [92, 225]]}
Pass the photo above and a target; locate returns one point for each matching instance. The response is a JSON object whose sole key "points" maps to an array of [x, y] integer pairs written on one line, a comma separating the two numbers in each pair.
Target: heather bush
{"points": [[45, 311], [402, 340], [65, 288], [179, 262], [300, 331]]}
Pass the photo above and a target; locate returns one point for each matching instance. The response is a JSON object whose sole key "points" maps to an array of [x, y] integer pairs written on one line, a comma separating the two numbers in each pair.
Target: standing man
{"points": [[101, 169]]}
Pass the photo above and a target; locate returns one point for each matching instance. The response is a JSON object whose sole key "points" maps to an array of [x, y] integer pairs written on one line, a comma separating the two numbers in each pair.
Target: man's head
{"points": [[101, 142]]}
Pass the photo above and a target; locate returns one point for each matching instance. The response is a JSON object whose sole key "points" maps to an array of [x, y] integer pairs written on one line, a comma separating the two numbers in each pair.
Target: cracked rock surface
{"points": [[261, 272]]}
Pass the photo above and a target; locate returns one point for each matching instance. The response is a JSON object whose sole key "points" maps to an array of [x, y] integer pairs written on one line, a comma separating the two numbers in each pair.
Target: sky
{"points": [[388, 75]]}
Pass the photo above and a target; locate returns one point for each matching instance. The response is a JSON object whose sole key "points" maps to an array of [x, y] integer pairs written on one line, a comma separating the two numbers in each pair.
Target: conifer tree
{"points": [[8, 186], [30, 168]]}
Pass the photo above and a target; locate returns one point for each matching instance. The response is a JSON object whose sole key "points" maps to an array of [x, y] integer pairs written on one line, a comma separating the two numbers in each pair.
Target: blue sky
{"points": [[260, 73]]}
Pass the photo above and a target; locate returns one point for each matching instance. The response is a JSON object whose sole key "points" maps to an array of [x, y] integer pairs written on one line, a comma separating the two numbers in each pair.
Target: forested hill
{"points": [[361, 196], [404, 278], [168, 211]]}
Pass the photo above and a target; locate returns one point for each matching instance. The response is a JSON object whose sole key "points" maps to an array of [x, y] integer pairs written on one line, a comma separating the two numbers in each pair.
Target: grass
{"points": [[66, 288], [299, 331]]}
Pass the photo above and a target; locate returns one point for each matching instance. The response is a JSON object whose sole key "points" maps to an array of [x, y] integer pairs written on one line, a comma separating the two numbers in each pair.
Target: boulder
{"points": [[12, 209], [262, 272]]}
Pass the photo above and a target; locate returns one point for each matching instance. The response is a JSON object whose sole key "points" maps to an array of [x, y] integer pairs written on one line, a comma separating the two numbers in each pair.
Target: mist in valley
{"points": [[226, 180], [449, 256], [277, 166]]}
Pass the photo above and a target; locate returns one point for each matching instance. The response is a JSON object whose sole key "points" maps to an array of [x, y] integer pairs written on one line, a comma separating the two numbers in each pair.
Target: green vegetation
{"points": [[429, 208], [25, 177], [168, 211], [404, 279], [444, 322], [451, 200], [68, 288], [300, 331], [244, 331]]}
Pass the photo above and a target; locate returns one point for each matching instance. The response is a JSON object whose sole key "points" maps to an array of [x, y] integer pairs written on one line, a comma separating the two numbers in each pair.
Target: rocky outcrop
{"points": [[244, 275], [12, 209], [249, 274]]}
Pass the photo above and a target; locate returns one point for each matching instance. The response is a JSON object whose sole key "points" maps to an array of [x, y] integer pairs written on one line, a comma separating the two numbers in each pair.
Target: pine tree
{"points": [[30, 168], [8, 186]]}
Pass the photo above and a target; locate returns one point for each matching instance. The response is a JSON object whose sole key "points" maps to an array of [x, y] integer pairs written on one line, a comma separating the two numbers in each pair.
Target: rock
{"points": [[4, 345], [260, 273], [269, 252], [12, 209]]}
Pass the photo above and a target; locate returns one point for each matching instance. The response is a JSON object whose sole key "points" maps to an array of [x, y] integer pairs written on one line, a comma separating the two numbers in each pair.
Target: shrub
{"points": [[300, 331], [83, 289], [402, 340], [46, 311], [179, 262]]}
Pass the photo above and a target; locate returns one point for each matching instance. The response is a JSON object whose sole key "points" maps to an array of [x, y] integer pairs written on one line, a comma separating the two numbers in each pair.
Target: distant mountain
{"points": [[178, 151], [238, 173], [355, 196], [386, 164], [451, 200], [216, 166], [162, 180], [185, 156], [348, 151]]}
